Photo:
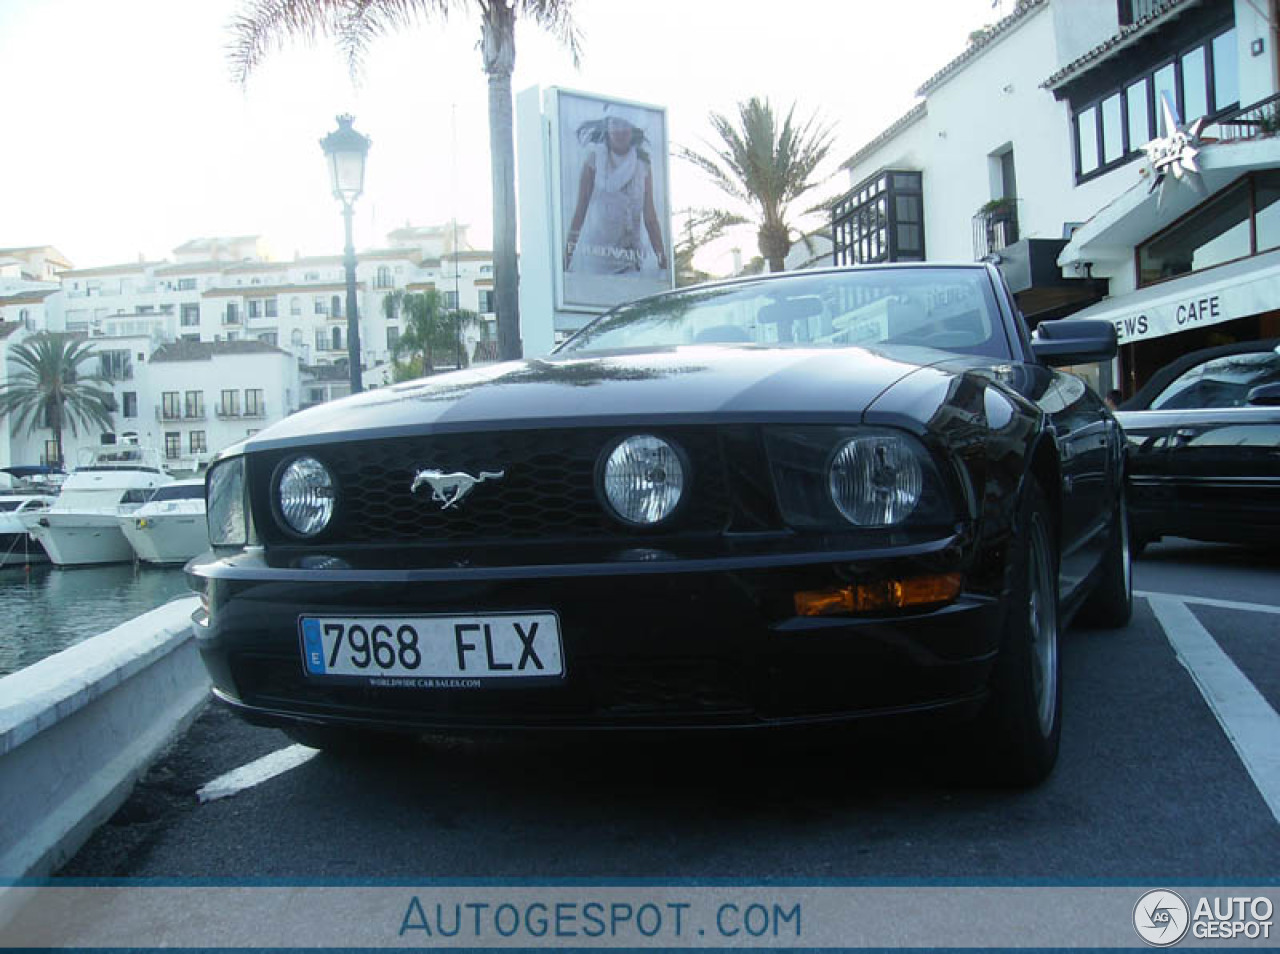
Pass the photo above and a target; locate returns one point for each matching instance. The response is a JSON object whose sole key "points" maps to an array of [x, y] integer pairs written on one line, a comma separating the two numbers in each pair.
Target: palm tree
{"points": [[48, 389], [765, 167], [428, 326], [265, 24]]}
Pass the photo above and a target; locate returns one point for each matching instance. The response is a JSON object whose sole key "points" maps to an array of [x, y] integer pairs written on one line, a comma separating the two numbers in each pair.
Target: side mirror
{"points": [[1069, 341], [1264, 395]]}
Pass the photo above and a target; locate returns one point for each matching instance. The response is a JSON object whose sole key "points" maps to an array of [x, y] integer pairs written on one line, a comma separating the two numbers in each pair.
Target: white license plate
{"points": [[433, 652]]}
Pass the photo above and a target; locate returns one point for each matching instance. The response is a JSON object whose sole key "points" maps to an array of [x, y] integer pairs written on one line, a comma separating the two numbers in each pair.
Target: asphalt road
{"points": [[1150, 786]]}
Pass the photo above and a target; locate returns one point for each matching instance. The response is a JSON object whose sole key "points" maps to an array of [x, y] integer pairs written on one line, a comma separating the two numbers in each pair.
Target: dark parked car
{"points": [[800, 499], [1204, 447]]}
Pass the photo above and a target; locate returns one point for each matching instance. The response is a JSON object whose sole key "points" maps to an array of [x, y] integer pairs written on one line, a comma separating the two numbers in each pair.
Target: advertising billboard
{"points": [[613, 216]]}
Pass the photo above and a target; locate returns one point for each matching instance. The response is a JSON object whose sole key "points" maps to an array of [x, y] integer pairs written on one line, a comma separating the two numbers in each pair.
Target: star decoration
{"points": [[1175, 153]]}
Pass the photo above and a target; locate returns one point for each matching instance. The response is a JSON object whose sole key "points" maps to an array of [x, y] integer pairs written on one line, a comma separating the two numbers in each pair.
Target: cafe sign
{"points": [[1196, 307]]}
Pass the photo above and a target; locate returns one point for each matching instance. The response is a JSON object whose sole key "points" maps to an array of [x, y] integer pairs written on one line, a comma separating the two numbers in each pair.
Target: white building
{"points": [[225, 331], [1027, 149]]}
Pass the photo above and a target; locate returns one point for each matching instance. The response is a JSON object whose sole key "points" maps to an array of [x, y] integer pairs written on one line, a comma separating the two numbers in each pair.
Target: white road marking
{"points": [[1209, 601], [1246, 717], [256, 772]]}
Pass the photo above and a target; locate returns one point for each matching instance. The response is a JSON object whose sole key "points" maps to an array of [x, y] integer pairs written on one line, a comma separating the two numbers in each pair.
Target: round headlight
{"points": [[306, 496], [875, 481], [644, 479]]}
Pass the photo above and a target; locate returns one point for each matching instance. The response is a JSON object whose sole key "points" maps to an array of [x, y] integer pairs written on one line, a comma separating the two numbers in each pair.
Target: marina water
{"points": [[45, 609]]}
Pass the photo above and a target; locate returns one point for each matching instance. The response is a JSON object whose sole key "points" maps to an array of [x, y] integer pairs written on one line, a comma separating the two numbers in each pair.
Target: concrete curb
{"points": [[79, 728]]}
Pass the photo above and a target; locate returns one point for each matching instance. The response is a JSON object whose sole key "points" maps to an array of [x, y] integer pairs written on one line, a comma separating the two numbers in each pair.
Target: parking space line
{"points": [[1248, 720], [1210, 601], [256, 772]]}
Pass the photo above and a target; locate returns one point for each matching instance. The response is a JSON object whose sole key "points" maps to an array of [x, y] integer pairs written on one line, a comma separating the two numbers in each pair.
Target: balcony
{"points": [[995, 227], [236, 414], [1135, 11], [1249, 122]]}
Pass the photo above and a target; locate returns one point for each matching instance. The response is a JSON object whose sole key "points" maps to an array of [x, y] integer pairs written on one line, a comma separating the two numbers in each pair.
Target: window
{"points": [[186, 284], [270, 308], [130, 403], [1112, 128], [337, 339], [253, 406], [318, 305], [335, 307], [486, 301], [172, 445], [383, 279], [232, 316], [115, 365], [169, 406], [1195, 84], [451, 300], [1087, 137], [196, 443], [255, 308], [393, 338], [880, 220], [1135, 101], [230, 406], [295, 306], [194, 407], [1220, 382], [190, 315], [1226, 77], [1112, 131], [269, 337], [311, 277], [322, 341], [1242, 220]]}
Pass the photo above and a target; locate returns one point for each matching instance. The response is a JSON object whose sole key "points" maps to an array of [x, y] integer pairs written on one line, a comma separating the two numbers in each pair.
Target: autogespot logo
{"points": [[1161, 918]]}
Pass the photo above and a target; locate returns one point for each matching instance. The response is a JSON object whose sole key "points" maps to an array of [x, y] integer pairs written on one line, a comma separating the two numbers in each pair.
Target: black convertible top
{"points": [[1142, 399]]}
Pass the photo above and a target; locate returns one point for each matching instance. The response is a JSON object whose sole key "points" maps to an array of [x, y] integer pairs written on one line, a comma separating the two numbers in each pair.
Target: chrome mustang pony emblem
{"points": [[449, 489]]}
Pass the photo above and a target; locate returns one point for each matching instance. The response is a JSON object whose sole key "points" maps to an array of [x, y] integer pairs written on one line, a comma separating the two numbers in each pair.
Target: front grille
{"points": [[547, 492]]}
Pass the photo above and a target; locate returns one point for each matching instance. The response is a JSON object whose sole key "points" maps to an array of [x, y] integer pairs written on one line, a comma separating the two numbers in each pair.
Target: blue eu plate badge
{"points": [[314, 646]]}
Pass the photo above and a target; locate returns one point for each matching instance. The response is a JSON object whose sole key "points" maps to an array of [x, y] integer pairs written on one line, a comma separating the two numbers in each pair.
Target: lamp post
{"points": [[346, 150]]}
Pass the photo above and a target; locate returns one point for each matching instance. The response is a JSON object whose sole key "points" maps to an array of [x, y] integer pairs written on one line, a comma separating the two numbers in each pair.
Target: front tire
{"points": [[1018, 731]]}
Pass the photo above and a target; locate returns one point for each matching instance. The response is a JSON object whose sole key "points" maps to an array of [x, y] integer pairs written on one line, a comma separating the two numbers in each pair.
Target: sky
{"points": [[126, 136]]}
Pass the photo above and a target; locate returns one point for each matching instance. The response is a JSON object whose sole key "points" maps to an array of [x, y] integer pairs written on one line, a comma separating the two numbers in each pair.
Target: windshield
{"points": [[1221, 382], [951, 308]]}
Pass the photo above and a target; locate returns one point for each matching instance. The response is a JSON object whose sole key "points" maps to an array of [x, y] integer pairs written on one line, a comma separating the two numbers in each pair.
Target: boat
{"points": [[33, 489], [17, 548], [170, 526], [82, 525]]}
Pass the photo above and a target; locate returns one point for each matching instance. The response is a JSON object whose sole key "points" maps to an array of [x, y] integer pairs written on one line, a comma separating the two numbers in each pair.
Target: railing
{"points": [[994, 229], [1133, 11], [1248, 122]]}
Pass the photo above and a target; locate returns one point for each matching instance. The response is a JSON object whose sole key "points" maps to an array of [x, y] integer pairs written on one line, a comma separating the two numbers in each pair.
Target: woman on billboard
{"points": [[615, 206]]}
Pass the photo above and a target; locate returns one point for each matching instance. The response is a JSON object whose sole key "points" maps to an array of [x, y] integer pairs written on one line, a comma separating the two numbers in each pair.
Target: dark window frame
{"points": [[1129, 150]]}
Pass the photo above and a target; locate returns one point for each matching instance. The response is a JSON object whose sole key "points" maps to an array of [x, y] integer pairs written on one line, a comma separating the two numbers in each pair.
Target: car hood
{"points": [[679, 384]]}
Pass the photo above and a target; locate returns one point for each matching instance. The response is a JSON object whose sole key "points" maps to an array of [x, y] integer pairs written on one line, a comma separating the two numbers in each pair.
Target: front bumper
{"points": [[647, 644]]}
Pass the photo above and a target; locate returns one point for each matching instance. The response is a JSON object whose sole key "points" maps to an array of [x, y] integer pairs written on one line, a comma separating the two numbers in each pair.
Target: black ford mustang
{"points": [[805, 498]]}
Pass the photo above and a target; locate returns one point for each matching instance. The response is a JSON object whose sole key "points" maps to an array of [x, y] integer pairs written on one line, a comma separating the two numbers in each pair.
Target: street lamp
{"points": [[346, 150]]}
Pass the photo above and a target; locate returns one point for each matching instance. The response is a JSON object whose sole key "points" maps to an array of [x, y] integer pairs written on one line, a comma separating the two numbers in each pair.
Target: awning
{"points": [[1224, 293]]}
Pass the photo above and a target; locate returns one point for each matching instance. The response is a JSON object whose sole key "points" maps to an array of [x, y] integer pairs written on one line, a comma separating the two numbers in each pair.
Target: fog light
{"points": [[879, 596]]}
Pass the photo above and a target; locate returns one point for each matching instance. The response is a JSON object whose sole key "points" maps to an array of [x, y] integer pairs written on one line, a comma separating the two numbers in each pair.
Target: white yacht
{"points": [[17, 546], [82, 526], [170, 526]]}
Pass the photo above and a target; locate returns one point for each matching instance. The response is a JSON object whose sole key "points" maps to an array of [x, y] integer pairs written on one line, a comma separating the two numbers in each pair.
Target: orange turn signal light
{"points": [[879, 596]]}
